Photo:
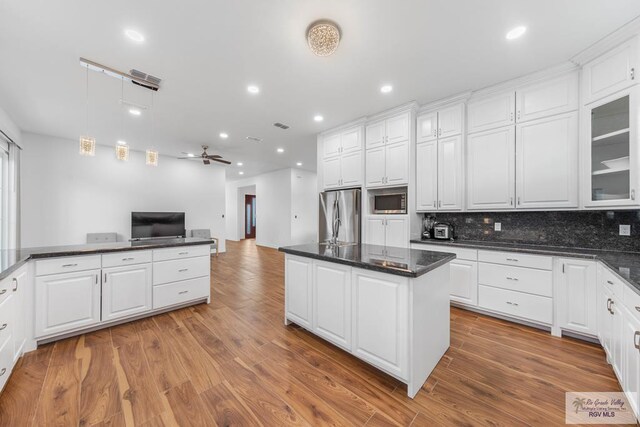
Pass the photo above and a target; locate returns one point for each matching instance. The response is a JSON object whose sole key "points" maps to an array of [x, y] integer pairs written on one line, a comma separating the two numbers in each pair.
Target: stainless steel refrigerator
{"points": [[340, 217]]}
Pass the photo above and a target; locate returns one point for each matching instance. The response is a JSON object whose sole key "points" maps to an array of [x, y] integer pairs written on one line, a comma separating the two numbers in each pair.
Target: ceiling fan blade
{"points": [[188, 158], [221, 161]]}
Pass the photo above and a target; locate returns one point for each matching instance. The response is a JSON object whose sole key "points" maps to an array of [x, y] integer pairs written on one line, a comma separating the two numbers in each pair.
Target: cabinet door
{"points": [[617, 320], [605, 321], [351, 168], [380, 310], [397, 128], [331, 145], [547, 162], [490, 113], [631, 359], [427, 176], [556, 96], [491, 169], [450, 173], [298, 290], [576, 292], [68, 301], [397, 163], [19, 282], [351, 140], [610, 72], [331, 172], [332, 303], [396, 232], [375, 230], [450, 121], [126, 291], [375, 134], [464, 281], [427, 127], [374, 168]]}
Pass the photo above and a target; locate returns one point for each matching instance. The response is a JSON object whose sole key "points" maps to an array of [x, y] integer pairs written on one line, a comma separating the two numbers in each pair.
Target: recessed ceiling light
{"points": [[240, 173], [280, 150], [299, 164], [190, 155], [121, 142], [224, 135], [134, 35], [318, 118], [253, 89], [239, 164], [135, 111], [516, 32], [386, 88]]}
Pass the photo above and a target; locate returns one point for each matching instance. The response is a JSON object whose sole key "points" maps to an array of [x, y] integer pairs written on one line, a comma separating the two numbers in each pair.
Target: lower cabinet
{"points": [[67, 301], [19, 283], [464, 281], [332, 303], [126, 291], [576, 294], [387, 230], [298, 290], [631, 370]]}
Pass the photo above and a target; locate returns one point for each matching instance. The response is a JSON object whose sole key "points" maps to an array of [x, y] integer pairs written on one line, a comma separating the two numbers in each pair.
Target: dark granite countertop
{"points": [[12, 259], [397, 261], [626, 265]]}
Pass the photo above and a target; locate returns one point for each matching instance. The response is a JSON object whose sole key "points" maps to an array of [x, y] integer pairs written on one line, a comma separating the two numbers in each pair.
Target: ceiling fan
{"points": [[206, 158]]}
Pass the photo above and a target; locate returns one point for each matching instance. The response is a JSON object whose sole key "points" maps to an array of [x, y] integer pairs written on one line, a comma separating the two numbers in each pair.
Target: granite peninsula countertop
{"points": [[626, 265], [12, 259], [397, 261]]}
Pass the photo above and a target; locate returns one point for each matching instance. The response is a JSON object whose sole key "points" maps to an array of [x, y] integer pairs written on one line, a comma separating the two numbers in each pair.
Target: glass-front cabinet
{"points": [[612, 156]]}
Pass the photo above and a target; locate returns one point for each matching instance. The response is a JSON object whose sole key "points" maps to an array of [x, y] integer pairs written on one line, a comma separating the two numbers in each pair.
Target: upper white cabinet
{"points": [[375, 134], [450, 173], [547, 162], [427, 176], [387, 151], [397, 128], [611, 72], [547, 98], [342, 161], [491, 169], [491, 112], [427, 127]]}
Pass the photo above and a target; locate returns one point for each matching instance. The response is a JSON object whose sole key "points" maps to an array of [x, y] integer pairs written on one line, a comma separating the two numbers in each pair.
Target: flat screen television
{"points": [[147, 225]]}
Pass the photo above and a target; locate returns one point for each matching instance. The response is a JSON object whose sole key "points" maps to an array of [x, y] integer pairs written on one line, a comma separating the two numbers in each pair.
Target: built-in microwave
{"points": [[390, 203]]}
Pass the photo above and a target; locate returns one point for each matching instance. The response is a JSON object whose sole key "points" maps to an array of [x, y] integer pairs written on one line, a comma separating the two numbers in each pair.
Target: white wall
{"points": [[304, 207], [65, 195], [8, 126]]}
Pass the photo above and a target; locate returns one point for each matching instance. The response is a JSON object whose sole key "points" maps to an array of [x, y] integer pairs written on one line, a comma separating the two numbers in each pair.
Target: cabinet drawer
{"points": [[524, 306], [532, 281], [6, 362], [461, 253], [181, 252], [516, 259], [67, 264], [179, 292], [6, 320], [611, 282], [126, 258], [6, 288], [180, 269]]}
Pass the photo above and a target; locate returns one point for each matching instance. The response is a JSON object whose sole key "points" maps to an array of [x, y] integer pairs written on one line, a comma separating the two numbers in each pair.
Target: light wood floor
{"points": [[233, 362]]}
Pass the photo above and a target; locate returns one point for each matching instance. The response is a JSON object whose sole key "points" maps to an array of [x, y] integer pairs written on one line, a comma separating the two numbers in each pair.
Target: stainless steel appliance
{"points": [[340, 217], [390, 203], [443, 231]]}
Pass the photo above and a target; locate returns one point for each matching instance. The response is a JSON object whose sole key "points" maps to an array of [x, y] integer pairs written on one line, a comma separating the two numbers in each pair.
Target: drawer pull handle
{"points": [[512, 303], [610, 282], [3, 291], [128, 259], [15, 283], [182, 292], [611, 307], [637, 308], [4, 326], [69, 265], [636, 344], [2, 372], [512, 259], [182, 270], [183, 253], [512, 278]]}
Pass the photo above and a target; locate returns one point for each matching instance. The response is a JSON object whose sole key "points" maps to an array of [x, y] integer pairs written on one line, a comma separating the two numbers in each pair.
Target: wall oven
{"points": [[390, 203]]}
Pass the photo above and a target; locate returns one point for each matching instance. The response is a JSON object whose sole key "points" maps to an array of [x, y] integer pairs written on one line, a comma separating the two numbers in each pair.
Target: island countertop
{"points": [[391, 260]]}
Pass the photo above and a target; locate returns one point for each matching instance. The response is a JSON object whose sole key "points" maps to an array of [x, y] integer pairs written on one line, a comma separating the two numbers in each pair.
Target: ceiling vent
{"points": [[254, 139], [281, 126]]}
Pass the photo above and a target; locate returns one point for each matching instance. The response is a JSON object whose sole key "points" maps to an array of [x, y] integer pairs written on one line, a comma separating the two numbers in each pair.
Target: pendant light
{"points": [[87, 143], [152, 155], [122, 149]]}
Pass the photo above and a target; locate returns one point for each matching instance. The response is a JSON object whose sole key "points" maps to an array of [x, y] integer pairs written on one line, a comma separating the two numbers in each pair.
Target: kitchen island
{"points": [[387, 306]]}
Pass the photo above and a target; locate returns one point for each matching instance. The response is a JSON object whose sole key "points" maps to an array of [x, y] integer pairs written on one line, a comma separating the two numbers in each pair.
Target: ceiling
{"points": [[208, 51]]}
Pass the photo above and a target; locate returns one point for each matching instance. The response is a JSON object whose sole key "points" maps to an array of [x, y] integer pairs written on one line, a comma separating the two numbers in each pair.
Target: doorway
{"points": [[249, 216]]}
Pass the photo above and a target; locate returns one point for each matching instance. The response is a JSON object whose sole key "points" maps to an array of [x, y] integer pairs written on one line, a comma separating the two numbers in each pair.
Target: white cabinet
{"points": [[331, 145], [464, 281], [298, 284], [547, 98], [332, 303], [576, 295], [351, 169], [380, 319], [375, 166], [604, 318], [19, 282], [491, 112], [342, 161], [67, 301], [126, 291], [387, 230], [427, 127], [450, 173], [611, 72], [631, 360], [375, 134], [491, 169], [450, 121], [397, 128], [547, 162], [331, 172], [387, 151], [427, 176]]}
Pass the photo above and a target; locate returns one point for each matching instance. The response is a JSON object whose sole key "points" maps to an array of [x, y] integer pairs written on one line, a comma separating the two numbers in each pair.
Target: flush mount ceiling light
{"points": [[299, 164], [239, 164], [134, 35], [152, 158], [253, 89], [240, 173], [386, 88], [318, 118], [516, 32], [280, 150], [224, 135], [323, 37]]}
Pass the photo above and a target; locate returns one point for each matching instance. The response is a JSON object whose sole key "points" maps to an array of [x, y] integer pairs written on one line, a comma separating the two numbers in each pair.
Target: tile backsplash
{"points": [[584, 229]]}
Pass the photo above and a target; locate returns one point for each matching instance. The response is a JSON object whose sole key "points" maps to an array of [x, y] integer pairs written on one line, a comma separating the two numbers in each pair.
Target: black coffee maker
{"points": [[427, 226]]}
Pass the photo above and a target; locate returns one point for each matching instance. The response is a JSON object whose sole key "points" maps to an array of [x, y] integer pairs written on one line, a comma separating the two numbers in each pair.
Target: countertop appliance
{"points": [[340, 217], [390, 203], [443, 231]]}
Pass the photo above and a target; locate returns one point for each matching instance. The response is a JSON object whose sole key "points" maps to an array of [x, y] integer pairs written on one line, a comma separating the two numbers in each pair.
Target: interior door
{"points": [[249, 216]]}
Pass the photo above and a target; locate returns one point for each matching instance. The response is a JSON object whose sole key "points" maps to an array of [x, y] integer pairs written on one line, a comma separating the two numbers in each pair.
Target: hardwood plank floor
{"points": [[233, 362]]}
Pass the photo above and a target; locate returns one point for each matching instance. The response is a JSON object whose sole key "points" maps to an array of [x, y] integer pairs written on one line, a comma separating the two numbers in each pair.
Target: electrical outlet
{"points": [[497, 226], [625, 230]]}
